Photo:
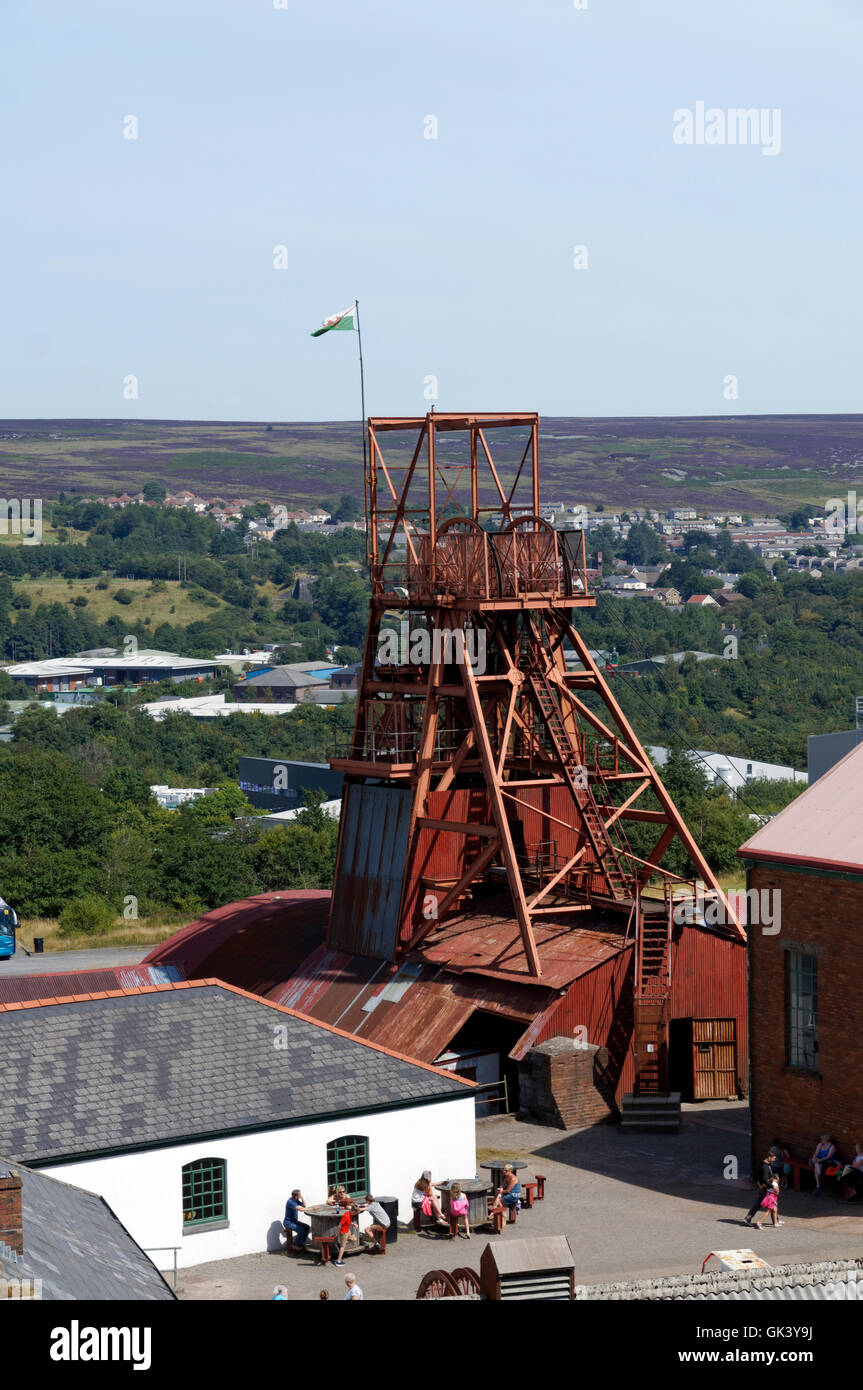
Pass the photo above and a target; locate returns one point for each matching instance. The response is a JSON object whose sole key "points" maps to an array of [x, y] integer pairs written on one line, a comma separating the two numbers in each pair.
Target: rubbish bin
{"points": [[391, 1207], [38, 945]]}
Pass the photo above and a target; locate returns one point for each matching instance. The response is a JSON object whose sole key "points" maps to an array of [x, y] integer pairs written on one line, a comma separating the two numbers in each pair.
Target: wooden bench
{"points": [[541, 1180], [424, 1223], [291, 1248], [528, 1189], [326, 1243], [797, 1167]]}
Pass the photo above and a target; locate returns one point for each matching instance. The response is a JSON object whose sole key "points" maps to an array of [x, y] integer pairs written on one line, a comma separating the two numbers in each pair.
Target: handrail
{"points": [[153, 1249]]}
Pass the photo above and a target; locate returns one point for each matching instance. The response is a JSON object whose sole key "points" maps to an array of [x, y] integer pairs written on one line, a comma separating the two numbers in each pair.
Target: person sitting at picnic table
{"points": [[380, 1222], [825, 1150], [295, 1204], [509, 1195], [424, 1196]]}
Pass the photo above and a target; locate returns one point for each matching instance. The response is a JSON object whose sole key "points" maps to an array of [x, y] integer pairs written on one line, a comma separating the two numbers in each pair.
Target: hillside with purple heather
{"points": [[756, 464]]}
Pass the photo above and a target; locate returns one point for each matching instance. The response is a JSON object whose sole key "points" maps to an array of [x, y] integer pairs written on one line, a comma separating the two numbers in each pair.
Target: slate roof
{"points": [[282, 675], [74, 1243], [135, 1069]]}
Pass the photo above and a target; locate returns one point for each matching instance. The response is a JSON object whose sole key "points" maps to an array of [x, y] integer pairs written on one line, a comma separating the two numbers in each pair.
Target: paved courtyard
{"points": [[633, 1206]]}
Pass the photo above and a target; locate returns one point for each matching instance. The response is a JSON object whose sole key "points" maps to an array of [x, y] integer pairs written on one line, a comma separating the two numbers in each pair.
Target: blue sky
{"points": [[304, 127]]}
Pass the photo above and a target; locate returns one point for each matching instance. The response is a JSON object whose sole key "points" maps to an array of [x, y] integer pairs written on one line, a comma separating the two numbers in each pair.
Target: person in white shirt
{"points": [[380, 1220], [353, 1288]]}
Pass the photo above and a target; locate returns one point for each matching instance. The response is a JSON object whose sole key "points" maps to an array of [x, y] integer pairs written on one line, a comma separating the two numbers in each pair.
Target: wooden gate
{"points": [[714, 1058]]}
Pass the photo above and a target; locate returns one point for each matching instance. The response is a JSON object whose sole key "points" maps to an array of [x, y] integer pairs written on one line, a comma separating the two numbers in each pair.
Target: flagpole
{"points": [[363, 405]]}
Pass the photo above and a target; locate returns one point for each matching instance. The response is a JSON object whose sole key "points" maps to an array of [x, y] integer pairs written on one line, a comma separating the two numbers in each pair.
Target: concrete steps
{"points": [[656, 1113]]}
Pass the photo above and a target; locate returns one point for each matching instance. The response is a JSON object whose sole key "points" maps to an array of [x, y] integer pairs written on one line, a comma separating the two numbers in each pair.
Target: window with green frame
{"points": [[205, 1190], [348, 1164], [801, 1009]]}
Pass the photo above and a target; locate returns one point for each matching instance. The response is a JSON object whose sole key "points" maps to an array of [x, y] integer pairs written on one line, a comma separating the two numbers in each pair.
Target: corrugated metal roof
{"points": [[16, 989], [836, 1280], [414, 1008], [254, 944], [822, 828], [490, 943], [373, 850]]}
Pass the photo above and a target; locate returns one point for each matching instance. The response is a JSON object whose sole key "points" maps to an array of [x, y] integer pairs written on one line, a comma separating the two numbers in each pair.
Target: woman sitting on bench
{"points": [[509, 1195], [825, 1153], [424, 1199]]}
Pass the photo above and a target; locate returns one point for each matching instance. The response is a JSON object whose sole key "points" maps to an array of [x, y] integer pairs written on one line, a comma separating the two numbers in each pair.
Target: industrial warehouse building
{"points": [[277, 784], [502, 905], [90, 670], [806, 1004], [194, 1109], [459, 1002]]}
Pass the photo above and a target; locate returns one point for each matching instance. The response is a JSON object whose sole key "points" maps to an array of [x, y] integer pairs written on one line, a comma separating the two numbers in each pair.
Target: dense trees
{"points": [[77, 817], [798, 669]]}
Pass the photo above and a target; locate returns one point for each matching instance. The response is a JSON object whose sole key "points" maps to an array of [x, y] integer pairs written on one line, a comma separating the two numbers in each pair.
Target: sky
{"points": [[439, 162]]}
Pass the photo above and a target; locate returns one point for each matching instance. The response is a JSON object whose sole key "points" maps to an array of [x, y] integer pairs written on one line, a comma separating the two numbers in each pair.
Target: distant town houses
{"points": [[229, 512]]}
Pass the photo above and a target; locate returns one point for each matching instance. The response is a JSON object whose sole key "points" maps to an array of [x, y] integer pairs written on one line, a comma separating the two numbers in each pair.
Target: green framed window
{"points": [[348, 1164], [801, 999], [205, 1192]]}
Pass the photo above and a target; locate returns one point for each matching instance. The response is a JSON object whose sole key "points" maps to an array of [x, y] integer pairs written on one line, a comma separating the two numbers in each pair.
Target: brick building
{"points": [[806, 1006]]}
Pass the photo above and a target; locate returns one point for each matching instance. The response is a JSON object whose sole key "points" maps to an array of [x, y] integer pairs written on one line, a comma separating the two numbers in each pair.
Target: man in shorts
{"points": [[346, 1212]]}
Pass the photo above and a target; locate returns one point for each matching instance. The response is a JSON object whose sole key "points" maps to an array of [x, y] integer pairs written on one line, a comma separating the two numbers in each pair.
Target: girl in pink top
{"points": [[769, 1203], [459, 1207]]}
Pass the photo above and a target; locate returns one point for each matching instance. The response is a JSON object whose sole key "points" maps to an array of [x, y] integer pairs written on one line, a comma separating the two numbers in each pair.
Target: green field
{"points": [[174, 605]]}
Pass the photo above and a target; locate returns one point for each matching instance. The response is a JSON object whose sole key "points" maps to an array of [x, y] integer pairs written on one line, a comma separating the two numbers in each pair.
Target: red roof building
{"points": [[805, 890]]}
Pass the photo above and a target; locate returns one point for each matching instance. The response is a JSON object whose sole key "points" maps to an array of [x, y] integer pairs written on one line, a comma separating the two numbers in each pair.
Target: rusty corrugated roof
{"points": [[16, 989], [489, 943], [254, 944], [414, 1008]]}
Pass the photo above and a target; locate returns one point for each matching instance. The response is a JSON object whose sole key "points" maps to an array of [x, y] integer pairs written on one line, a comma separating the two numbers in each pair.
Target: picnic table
{"points": [[496, 1166], [325, 1221], [477, 1194]]}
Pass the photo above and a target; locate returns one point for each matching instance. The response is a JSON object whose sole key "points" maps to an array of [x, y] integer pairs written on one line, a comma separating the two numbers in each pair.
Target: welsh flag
{"points": [[344, 321]]}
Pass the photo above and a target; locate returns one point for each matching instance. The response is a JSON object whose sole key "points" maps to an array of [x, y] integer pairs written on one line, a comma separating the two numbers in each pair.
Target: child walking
{"points": [[769, 1204], [459, 1207]]}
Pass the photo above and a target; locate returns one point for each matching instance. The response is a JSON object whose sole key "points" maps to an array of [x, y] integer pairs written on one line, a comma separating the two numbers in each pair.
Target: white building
{"points": [[211, 707], [725, 771], [169, 798], [195, 1108]]}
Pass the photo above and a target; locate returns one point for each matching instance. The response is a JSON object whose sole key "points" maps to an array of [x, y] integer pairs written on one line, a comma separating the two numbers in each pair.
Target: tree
{"points": [[348, 508], [221, 806], [643, 545], [87, 914], [153, 491]]}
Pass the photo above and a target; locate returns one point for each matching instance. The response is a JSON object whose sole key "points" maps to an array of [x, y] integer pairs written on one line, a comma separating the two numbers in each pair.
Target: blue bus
{"points": [[8, 928]]}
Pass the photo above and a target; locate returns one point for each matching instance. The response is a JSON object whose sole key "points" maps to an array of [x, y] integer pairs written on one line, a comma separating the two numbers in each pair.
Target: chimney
{"points": [[11, 1219]]}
